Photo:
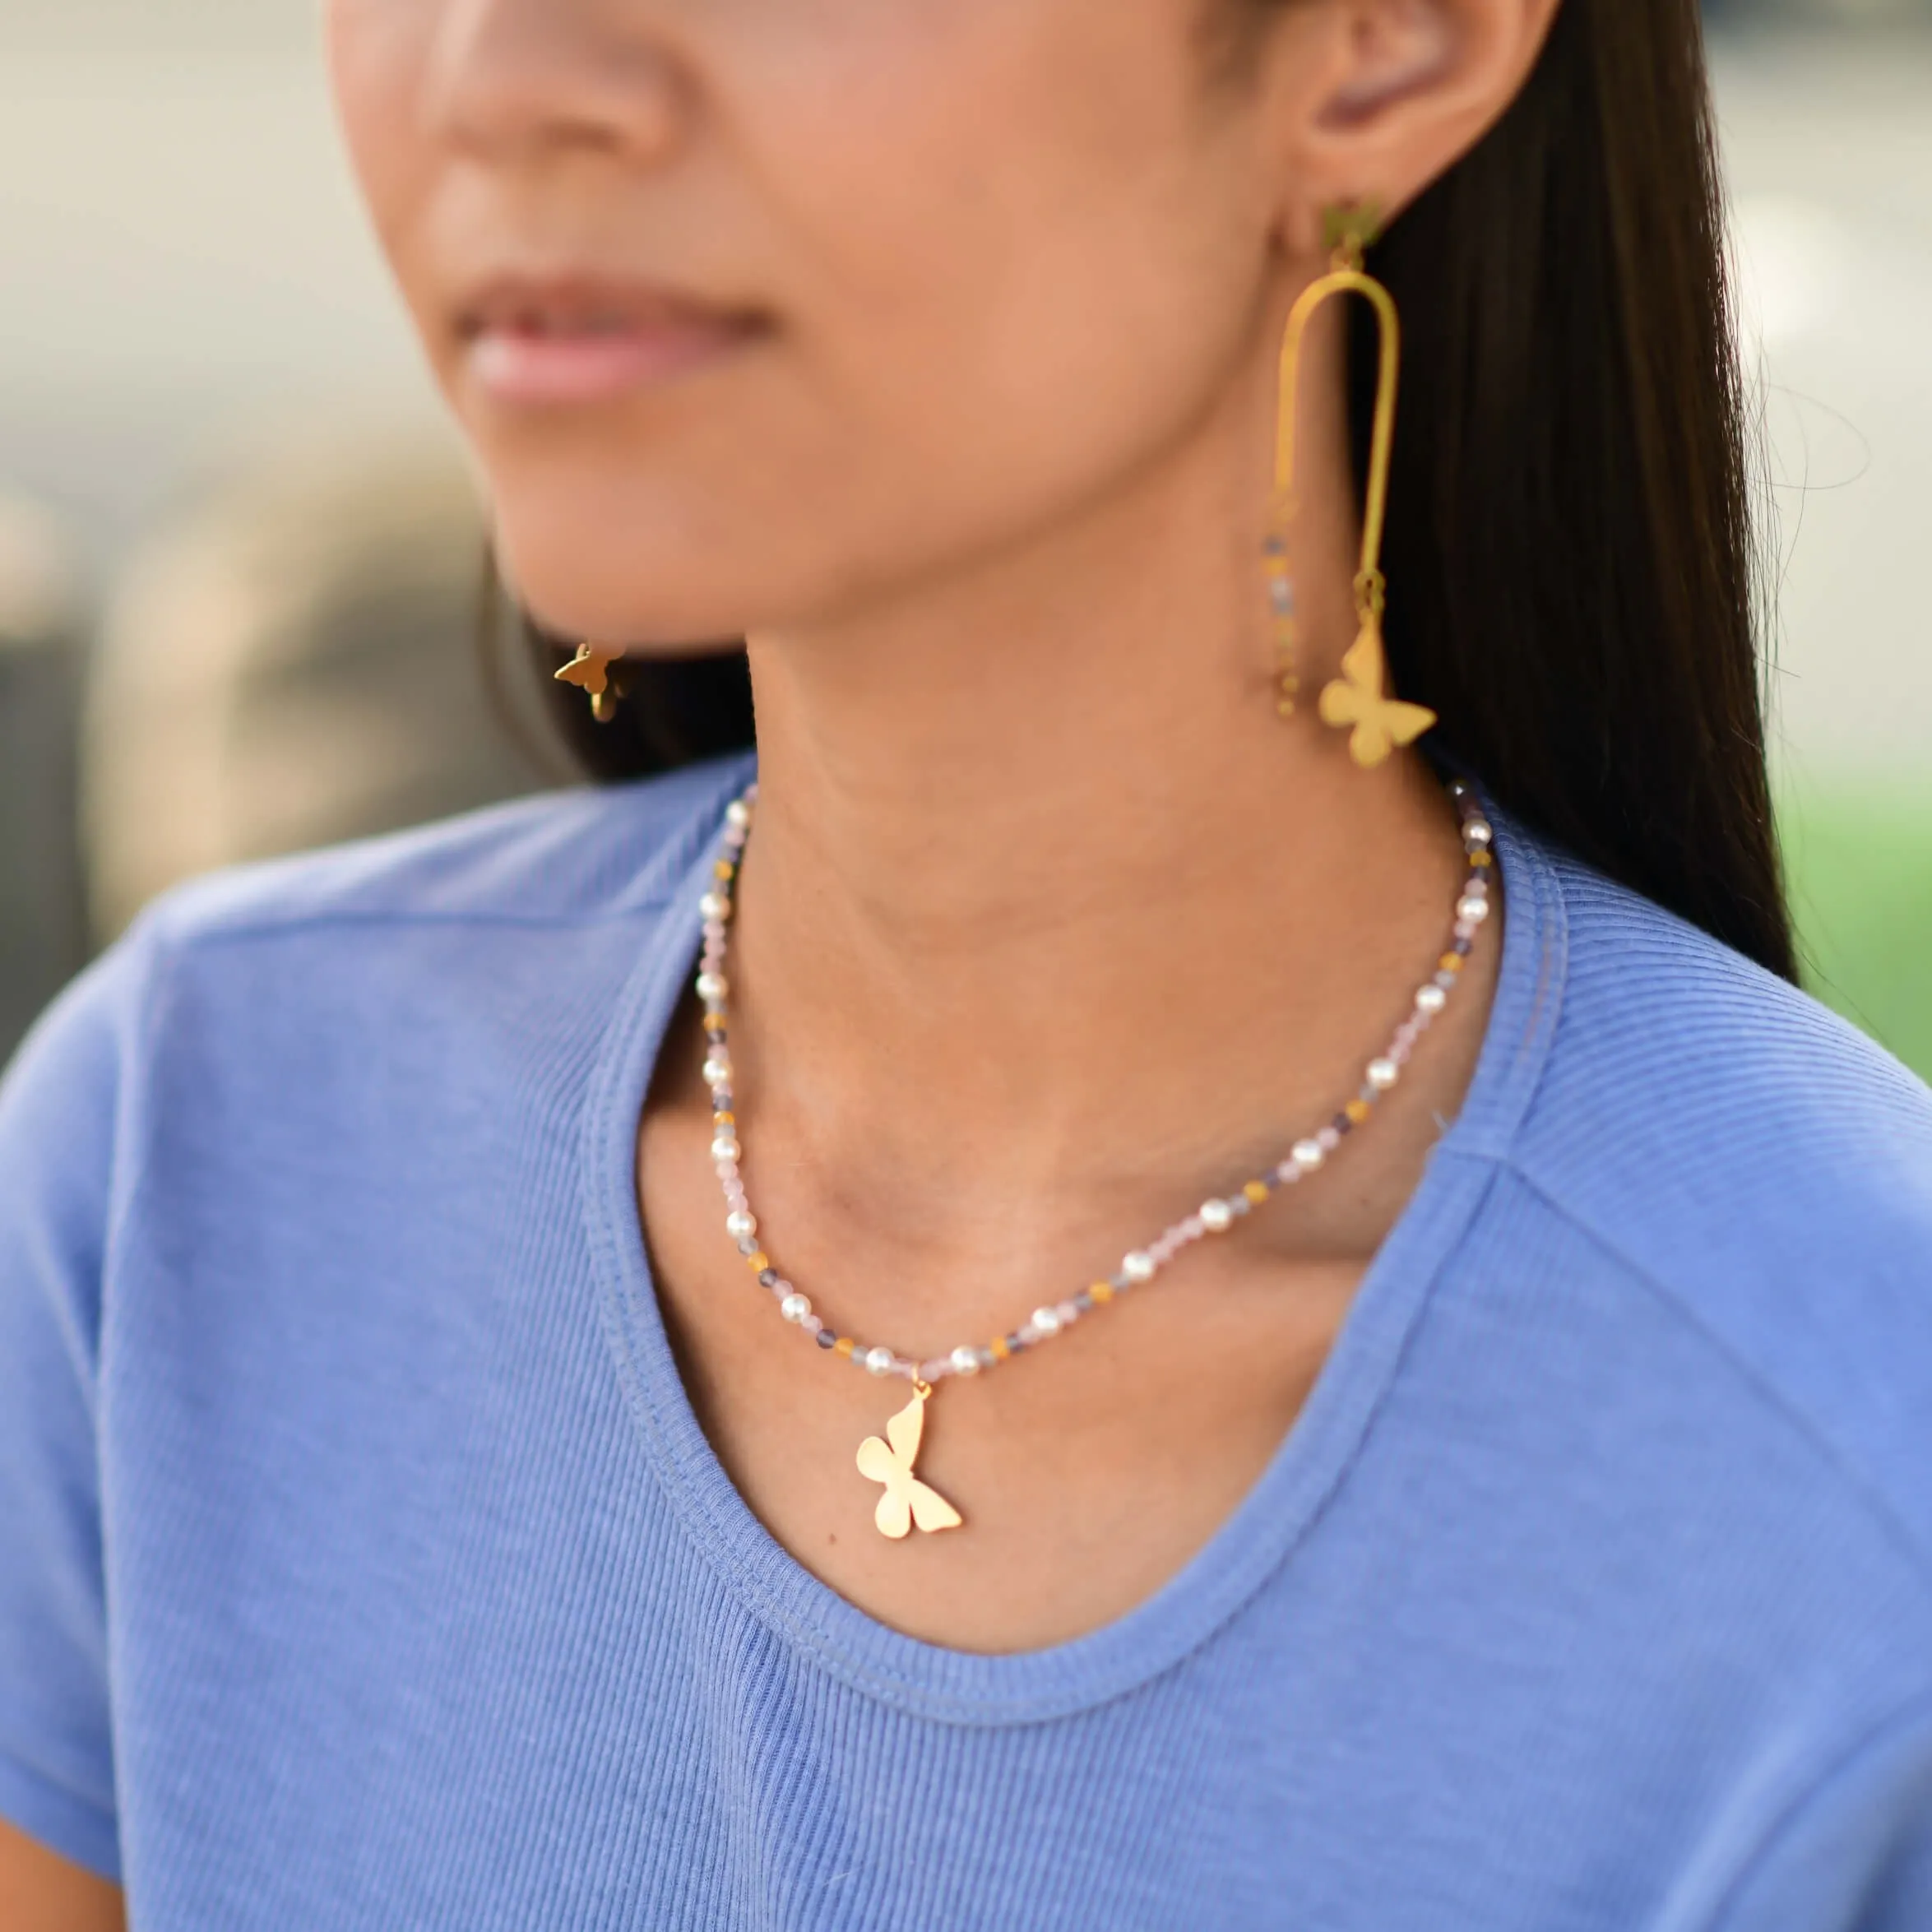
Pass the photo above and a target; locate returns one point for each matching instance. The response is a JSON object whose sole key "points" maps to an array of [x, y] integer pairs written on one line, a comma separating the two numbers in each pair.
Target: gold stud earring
{"points": [[1357, 701], [589, 671]]}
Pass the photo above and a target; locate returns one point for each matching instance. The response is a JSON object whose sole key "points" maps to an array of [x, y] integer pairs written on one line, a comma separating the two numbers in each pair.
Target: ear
{"points": [[1379, 98]]}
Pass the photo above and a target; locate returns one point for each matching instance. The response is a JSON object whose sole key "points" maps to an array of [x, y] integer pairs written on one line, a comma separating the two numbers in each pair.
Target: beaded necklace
{"points": [[905, 1500]]}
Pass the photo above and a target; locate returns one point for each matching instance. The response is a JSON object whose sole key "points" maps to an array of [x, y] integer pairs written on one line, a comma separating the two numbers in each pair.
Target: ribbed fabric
{"points": [[361, 1563]]}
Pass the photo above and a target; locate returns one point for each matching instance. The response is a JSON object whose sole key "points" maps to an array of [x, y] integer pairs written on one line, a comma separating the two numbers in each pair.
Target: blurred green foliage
{"points": [[1859, 858]]}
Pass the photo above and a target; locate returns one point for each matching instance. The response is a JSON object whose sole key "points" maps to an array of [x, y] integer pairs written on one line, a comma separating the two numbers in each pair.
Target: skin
{"points": [[1049, 927]]}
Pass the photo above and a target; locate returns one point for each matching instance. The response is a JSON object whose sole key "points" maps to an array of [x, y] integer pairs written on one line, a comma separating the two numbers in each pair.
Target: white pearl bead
{"points": [[712, 986], [1383, 1074], [966, 1361], [1138, 1266], [715, 907], [794, 1308], [1474, 911], [741, 1226], [726, 1147], [717, 1072], [1217, 1216], [1308, 1156], [738, 814], [1479, 831], [1431, 999], [1046, 1321], [878, 1361]]}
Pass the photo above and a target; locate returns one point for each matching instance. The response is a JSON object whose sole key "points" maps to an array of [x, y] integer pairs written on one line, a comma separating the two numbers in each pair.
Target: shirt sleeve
{"points": [[1856, 1855], [61, 1105]]}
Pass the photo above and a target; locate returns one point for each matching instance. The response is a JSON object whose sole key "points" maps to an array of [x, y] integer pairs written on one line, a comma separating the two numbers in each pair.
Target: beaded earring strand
{"points": [[906, 1501]]}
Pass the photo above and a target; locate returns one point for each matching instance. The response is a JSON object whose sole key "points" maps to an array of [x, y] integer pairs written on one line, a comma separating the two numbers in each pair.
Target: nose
{"points": [[519, 76]]}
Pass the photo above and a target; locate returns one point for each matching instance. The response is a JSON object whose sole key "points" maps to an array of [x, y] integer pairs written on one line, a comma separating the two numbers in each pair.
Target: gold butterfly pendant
{"points": [[1358, 698], [590, 671], [907, 1500]]}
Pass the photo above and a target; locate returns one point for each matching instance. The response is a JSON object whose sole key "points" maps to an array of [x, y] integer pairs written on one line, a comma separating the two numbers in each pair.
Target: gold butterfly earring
{"points": [[589, 671], [1358, 701]]}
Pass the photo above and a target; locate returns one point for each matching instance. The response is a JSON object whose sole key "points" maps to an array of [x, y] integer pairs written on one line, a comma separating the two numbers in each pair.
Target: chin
{"points": [[617, 580]]}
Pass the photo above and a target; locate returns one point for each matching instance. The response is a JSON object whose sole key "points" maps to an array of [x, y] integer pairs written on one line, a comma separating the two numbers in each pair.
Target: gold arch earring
{"points": [[589, 671], [1357, 701]]}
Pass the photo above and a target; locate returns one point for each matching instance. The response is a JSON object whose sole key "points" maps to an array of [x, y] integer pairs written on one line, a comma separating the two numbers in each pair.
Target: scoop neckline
{"points": [[1306, 1471]]}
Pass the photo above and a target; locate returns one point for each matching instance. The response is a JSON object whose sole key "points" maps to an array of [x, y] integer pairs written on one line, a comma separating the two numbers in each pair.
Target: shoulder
{"points": [[1720, 1115], [561, 857], [1754, 1165], [418, 954]]}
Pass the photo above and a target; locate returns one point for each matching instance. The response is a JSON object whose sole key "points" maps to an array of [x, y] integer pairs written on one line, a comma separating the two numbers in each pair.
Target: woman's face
{"points": [[756, 311]]}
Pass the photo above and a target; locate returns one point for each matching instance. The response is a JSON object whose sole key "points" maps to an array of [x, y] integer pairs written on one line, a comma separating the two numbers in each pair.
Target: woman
{"points": [[496, 1436]]}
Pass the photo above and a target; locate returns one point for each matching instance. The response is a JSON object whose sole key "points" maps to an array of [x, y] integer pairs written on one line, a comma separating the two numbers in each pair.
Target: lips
{"points": [[580, 338]]}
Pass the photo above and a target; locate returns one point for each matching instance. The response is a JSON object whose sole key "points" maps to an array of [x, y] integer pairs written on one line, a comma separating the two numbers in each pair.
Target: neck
{"points": [[1042, 883]]}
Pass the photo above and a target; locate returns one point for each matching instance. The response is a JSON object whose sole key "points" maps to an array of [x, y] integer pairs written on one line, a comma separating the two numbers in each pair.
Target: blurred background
{"points": [[240, 575]]}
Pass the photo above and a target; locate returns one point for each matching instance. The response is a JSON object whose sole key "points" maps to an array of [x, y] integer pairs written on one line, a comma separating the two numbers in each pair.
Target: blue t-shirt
{"points": [[362, 1564]]}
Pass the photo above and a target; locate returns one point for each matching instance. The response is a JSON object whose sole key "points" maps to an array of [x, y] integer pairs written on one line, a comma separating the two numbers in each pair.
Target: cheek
{"points": [[378, 55], [1037, 250]]}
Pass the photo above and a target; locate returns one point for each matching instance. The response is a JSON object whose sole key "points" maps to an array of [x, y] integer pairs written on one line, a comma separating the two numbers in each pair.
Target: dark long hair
{"points": [[1569, 546]]}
